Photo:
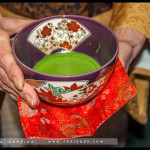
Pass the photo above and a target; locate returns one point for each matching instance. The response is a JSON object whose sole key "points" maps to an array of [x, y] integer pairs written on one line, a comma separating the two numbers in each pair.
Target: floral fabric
{"points": [[49, 122], [39, 10]]}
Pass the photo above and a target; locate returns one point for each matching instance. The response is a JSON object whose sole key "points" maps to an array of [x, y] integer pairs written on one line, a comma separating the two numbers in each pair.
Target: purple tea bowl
{"points": [[66, 33]]}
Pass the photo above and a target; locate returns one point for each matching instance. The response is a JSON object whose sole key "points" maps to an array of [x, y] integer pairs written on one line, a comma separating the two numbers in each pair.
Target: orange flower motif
{"points": [[73, 87], [66, 45], [46, 31], [89, 89], [49, 95], [73, 26]]}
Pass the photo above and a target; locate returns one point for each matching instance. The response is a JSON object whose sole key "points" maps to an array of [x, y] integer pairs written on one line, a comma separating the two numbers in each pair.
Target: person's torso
{"points": [[40, 10]]}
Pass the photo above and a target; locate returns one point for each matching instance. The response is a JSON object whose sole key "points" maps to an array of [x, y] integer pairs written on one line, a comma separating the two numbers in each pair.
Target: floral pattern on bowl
{"points": [[71, 92], [68, 92], [58, 33]]}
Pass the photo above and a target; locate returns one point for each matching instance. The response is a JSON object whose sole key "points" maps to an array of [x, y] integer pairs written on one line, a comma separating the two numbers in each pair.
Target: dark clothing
{"points": [[40, 10]]}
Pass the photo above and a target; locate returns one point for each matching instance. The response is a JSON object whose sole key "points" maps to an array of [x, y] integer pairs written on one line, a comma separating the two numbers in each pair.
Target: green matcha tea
{"points": [[66, 64]]}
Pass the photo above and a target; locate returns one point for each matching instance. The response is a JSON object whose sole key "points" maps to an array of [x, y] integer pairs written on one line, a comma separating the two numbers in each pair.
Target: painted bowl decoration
{"points": [[72, 34]]}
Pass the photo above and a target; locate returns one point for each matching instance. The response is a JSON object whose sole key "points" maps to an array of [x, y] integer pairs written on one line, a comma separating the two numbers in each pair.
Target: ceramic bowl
{"points": [[50, 35]]}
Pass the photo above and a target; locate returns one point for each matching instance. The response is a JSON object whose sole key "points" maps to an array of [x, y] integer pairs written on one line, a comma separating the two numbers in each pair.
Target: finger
{"points": [[7, 62], [20, 23], [16, 24], [4, 78], [125, 54], [30, 98], [8, 86], [30, 95], [7, 89], [13, 97], [1, 89], [12, 93], [14, 73]]}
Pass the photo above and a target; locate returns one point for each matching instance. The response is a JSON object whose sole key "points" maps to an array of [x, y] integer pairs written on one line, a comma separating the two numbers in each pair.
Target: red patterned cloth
{"points": [[49, 122]]}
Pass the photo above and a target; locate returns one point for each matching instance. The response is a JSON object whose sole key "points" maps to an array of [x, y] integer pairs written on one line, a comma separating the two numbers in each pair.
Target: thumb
{"points": [[16, 24], [125, 54]]}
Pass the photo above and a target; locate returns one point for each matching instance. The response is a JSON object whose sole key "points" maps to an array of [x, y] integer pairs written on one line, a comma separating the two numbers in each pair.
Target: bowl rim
{"points": [[63, 76]]}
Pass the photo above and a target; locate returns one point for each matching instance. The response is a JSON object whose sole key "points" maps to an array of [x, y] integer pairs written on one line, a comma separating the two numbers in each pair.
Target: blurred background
{"points": [[139, 135]]}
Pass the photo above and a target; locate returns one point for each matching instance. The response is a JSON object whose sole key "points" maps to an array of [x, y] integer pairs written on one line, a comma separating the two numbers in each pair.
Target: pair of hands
{"points": [[11, 77]]}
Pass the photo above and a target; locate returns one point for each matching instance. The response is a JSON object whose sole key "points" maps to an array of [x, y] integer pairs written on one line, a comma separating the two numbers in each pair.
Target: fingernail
{"points": [[28, 99], [33, 103], [18, 84]]}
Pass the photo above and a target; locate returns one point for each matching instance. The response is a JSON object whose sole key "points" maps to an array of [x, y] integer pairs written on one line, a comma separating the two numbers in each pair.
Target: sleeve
{"points": [[131, 15]]}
